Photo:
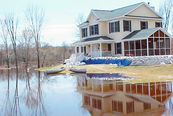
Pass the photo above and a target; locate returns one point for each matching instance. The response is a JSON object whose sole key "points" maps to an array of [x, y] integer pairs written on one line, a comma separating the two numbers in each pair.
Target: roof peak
{"points": [[129, 6], [118, 8]]}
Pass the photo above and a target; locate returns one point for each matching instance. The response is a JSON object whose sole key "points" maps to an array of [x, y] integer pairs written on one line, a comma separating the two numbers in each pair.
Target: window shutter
{"points": [[98, 28], [115, 48], [141, 25], [86, 32], [118, 26], [130, 25], [109, 27]]}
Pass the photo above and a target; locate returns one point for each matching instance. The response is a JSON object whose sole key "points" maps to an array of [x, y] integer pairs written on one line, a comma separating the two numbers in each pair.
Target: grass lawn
{"points": [[141, 73]]}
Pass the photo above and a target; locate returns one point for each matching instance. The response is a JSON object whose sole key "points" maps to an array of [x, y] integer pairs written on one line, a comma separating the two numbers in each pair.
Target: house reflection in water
{"points": [[106, 97]]}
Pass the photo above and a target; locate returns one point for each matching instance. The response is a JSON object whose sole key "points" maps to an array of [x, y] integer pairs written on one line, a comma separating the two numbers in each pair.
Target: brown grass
{"points": [[141, 73]]}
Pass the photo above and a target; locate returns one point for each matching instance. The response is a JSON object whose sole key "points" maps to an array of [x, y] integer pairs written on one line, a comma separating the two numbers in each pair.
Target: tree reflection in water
{"points": [[7, 104], [31, 96], [40, 109], [15, 110]]}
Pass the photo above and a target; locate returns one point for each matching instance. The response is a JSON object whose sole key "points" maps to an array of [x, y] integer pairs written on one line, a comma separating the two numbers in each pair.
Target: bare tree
{"points": [[165, 9], [44, 52], [35, 20], [11, 24], [64, 50], [4, 35], [79, 20], [27, 36]]}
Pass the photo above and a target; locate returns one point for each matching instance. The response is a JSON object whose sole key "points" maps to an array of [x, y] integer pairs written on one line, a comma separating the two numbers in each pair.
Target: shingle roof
{"points": [[145, 33], [99, 38], [110, 14]]}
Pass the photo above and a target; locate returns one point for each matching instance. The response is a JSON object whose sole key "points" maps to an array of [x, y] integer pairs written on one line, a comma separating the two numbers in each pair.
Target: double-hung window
{"points": [[144, 25], [158, 24], [84, 32], [114, 27], [94, 29], [127, 25]]}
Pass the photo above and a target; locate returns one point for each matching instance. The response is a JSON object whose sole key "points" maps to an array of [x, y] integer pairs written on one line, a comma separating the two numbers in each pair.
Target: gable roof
{"points": [[120, 12], [145, 33], [110, 14]]}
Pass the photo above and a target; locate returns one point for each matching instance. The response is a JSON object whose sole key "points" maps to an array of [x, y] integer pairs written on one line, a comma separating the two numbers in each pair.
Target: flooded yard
{"points": [[36, 94]]}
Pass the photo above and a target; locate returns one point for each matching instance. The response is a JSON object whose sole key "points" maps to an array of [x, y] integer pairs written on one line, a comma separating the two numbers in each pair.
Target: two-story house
{"points": [[132, 30]]}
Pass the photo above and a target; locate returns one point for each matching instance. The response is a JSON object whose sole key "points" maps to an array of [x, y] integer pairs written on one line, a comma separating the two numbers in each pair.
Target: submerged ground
{"points": [[141, 73]]}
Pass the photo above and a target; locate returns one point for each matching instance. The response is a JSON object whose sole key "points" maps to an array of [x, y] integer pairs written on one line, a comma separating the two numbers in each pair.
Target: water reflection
{"points": [[35, 94], [104, 96]]}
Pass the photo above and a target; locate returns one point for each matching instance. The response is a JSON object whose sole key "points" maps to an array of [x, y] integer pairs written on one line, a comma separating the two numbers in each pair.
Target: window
{"points": [[130, 107], [83, 49], [117, 106], [114, 27], [109, 47], [158, 24], [84, 32], [87, 100], [127, 25], [144, 25], [147, 106], [118, 48], [97, 103], [77, 49], [94, 29]]}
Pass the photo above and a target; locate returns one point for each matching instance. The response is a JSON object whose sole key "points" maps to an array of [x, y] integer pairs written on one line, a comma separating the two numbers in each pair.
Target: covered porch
{"points": [[147, 42], [101, 46]]}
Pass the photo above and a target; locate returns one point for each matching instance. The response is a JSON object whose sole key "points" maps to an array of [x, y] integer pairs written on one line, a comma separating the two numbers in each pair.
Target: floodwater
{"points": [[36, 94]]}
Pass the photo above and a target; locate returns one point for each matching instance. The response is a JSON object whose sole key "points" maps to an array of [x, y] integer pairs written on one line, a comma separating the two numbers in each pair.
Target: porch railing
{"points": [[98, 54]]}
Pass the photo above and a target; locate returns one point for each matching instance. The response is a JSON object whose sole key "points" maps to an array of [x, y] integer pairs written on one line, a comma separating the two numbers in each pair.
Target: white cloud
{"points": [[56, 34], [58, 29]]}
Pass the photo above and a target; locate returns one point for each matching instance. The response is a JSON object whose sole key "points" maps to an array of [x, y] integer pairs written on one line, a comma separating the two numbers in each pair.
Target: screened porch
{"points": [[158, 43]]}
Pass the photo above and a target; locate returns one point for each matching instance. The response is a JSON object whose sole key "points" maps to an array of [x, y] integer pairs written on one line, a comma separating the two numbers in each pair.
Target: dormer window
{"points": [[94, 29], [114, 27], [144, 25], [158, 24], [127, 25], [84, 32]]}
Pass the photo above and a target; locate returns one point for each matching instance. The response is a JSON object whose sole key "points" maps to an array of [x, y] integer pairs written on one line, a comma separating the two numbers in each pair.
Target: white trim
{"points": [[113, 21], [84, 27], [142, 18], [95, 15], [134, 39], [94, 42], [93, 24], [90, 14]]}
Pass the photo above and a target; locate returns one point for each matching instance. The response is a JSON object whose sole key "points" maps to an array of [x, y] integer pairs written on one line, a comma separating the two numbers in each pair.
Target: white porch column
{"points": [[83, 48], [91, 49], [113, 49], [147, 48], [100, 49]]}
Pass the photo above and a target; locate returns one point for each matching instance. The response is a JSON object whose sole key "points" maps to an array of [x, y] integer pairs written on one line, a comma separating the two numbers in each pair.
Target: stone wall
{"points": [[151, 60]]}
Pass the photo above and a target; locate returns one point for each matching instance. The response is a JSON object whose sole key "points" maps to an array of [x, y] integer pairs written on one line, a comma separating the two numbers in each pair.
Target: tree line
{"points": [[26, 48]]}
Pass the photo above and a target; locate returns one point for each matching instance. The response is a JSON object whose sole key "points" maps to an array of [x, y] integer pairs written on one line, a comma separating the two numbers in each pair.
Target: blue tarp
{"points": [[119, 62]]}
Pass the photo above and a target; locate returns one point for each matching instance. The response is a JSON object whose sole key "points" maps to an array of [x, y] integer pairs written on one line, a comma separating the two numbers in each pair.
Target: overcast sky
{"points": [[61, 14]]}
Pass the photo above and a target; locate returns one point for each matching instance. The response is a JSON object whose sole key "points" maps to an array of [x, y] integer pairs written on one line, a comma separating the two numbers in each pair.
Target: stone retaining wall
{"points": [[151, 60]]}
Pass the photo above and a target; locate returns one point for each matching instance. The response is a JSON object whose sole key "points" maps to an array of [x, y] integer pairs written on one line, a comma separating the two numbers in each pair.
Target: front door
{"points": [[95, 52]]}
